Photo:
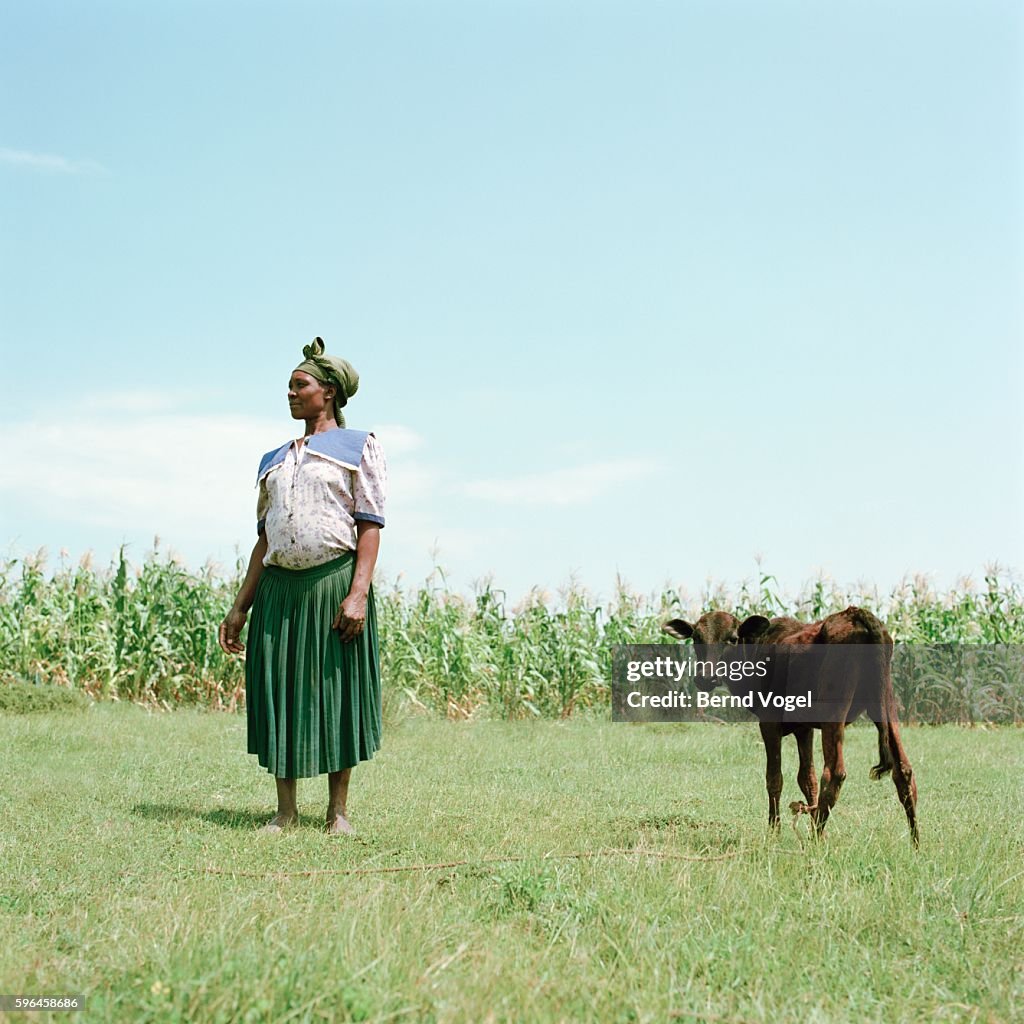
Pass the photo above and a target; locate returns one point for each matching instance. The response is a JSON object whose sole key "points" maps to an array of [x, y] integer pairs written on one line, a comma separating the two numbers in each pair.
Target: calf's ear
{"points": [[679, 628], [753, 627]]}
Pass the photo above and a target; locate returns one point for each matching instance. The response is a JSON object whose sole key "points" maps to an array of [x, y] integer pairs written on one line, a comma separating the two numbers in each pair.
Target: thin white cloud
{"points": [[49, 162], [397, 439], [573, 486], [116, 402], [411, 481], [410, 485], [139, 462], [171, 474]]}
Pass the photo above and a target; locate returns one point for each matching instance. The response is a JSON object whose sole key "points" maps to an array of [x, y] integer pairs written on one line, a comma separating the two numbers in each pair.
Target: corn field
{"points": [[148, 633]]}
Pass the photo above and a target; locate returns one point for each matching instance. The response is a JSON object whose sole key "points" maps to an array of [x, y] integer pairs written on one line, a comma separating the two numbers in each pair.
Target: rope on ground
{"points": [[799, 808], [581, 855], [701, 1015]]}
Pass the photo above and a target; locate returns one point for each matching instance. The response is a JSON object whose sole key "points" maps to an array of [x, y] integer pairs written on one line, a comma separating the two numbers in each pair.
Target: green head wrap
{"points": [[330, 370]]}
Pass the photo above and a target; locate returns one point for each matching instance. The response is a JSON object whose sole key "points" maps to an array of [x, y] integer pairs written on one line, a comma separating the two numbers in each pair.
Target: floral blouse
{"points": [[312, 494]]}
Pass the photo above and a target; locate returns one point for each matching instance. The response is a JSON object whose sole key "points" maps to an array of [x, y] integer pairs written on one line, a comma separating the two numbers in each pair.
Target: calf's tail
{"points": [[891, 755], [885, 763]]}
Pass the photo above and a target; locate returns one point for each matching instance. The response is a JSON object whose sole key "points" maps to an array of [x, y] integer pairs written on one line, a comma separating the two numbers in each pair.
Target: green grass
{"points": [[113, 816]]}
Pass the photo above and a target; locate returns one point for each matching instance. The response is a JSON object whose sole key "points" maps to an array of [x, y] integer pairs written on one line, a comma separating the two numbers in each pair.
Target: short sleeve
{"points": [[262, 506], [371, 483]]}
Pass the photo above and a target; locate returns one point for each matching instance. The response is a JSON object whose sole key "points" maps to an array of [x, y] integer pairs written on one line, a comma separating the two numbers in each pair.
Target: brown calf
{"points": [[864, 684]]}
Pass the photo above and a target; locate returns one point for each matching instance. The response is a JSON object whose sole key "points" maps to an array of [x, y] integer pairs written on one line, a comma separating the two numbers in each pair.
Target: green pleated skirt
{"points": [[312, 702]]}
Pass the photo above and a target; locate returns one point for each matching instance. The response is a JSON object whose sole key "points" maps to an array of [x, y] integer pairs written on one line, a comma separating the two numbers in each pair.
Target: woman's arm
{"points": [[231, 627], [351, 617]]}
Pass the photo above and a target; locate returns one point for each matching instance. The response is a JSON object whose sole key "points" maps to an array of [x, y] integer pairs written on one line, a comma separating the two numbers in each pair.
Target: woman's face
{"points": [[307, 397]]}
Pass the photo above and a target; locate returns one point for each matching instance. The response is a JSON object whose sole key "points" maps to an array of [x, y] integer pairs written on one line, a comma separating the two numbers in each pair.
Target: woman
{"points": [[312, 671]]}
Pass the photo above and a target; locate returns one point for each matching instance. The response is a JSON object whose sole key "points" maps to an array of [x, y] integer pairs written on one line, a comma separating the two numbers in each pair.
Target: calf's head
{"points": [[717, 628], [718, 637]]}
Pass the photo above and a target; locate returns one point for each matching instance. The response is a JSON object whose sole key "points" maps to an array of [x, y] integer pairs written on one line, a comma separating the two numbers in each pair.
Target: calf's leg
{"points": [[806, 777], [833, 773], [773, 770], [903, 776]]}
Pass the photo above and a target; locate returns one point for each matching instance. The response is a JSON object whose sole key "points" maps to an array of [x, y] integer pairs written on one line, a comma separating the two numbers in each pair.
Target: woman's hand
{"points": [[230, 631], [351, 618], [231, 628]]}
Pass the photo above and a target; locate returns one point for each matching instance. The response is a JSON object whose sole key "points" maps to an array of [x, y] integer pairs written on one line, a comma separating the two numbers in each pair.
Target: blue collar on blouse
{"points": [[339, 445]]}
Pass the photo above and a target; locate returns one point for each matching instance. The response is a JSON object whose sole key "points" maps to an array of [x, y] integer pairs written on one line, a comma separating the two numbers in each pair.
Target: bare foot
{"points": [[279, 822], [339, 826]]}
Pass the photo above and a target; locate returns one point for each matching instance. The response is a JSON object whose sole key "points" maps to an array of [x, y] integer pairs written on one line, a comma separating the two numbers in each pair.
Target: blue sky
{"points": [[655, 289]]}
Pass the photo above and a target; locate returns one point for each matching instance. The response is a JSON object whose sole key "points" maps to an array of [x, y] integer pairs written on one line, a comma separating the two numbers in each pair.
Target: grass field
{"points": [[607, 872]]}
